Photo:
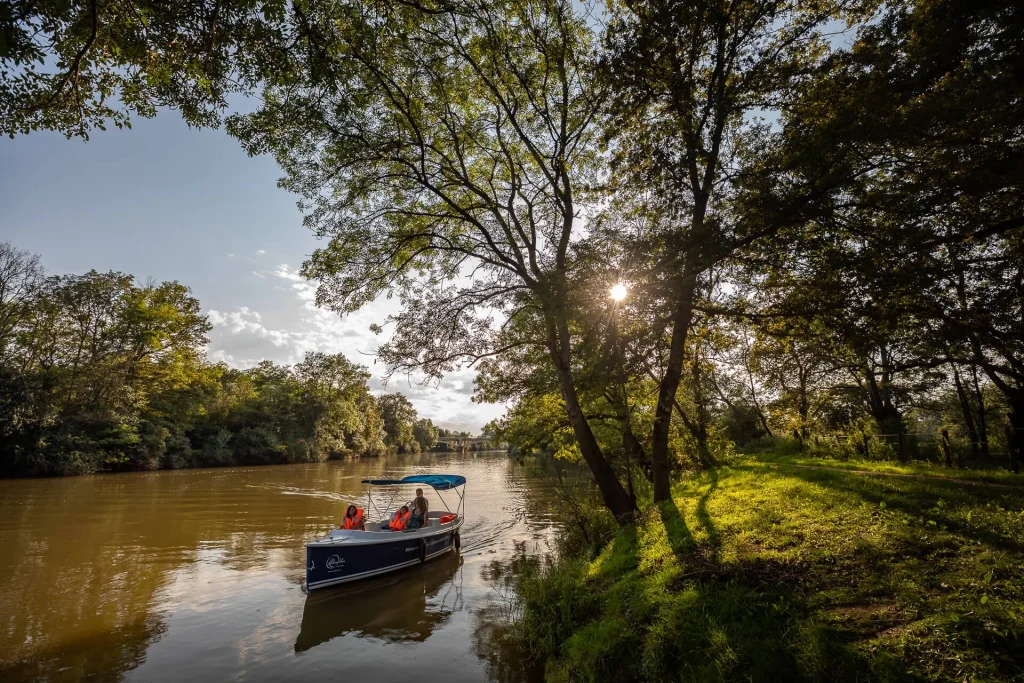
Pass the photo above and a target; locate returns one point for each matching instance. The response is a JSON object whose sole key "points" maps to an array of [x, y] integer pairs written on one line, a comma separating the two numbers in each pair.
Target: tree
{"points": [[435, 140], [925, 109], [399, 417], [690, 78], [78, 65], [425, 434], [20, 278], [88, 351]]}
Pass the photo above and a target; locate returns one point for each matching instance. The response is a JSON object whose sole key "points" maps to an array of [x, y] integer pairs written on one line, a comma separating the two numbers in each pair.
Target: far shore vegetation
{"points": [[103, 374]]}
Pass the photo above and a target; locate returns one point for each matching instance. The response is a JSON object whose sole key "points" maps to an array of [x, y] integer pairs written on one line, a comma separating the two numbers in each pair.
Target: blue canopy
{"points": [[439, 482]]}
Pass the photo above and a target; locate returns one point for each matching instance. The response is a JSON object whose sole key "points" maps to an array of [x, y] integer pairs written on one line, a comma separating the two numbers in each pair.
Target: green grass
{"points": [[762, 573], [923, 468]]}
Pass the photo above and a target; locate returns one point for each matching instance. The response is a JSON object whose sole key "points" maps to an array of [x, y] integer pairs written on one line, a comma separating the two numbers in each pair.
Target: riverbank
{"points": [[279, 458], [761, 572]]}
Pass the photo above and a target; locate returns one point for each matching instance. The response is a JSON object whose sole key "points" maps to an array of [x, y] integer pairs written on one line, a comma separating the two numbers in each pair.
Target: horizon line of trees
{"points": [[100, 373]]}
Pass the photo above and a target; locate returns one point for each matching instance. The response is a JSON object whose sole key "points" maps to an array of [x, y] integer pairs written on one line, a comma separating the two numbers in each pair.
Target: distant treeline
{"points": [[99, 373]]}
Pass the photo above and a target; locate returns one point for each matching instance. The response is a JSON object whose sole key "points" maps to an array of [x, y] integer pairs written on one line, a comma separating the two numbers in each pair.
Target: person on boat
{"points": [[419, 514], [400, 520], [354, 519], [419, 502]]}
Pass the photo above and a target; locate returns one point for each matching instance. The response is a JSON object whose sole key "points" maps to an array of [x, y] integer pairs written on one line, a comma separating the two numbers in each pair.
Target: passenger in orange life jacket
{"points": [[354, 519], [401, 518]]}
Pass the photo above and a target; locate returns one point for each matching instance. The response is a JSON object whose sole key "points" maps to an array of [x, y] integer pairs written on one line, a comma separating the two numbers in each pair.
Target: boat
{"points": [[346, 555]]}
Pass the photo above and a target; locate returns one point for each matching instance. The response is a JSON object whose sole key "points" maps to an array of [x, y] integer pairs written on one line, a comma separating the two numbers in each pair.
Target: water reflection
{"points": [[418, 601]]}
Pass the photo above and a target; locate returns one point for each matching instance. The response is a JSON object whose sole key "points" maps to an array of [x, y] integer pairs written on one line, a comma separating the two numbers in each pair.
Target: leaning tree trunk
{"points": [[615, 497], [670, 385]]}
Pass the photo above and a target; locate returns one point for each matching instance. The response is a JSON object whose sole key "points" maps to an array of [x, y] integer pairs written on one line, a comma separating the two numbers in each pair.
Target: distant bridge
{"points": [[462, 442]]}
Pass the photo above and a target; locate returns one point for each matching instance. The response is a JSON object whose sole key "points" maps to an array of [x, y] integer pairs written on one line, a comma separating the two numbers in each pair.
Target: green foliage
{"points": [[71, 66], [399, 417], [99, 374], [425, 433]]}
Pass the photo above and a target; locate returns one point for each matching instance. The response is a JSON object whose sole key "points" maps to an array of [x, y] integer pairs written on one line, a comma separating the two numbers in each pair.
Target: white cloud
{"points": [[243, 337], [284, 272], [261, 252]]}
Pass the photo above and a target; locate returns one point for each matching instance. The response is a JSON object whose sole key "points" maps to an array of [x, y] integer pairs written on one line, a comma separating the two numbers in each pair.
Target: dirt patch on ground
{"points": [[872, 620]]}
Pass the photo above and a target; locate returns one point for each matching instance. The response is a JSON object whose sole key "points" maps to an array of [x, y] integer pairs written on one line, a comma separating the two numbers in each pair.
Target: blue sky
{"points": [[167, 202]]}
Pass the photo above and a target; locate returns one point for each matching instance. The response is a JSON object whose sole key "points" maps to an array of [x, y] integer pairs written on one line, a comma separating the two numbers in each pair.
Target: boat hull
{"points": [[332, 563]]}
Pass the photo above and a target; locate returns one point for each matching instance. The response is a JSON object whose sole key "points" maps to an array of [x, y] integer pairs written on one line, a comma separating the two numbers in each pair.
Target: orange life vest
{"points": [[446, 519], [354, 522], [399, 523]]}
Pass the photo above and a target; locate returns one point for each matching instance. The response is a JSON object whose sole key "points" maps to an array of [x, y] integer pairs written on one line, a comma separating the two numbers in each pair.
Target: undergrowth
{"points": [[755, 572]]}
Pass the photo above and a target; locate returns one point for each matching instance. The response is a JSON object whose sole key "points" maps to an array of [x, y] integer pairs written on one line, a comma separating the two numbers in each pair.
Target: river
{"points": [[196, 575]]}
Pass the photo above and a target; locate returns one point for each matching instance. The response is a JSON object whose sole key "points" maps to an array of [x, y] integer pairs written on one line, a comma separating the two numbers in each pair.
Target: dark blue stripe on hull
{"points": [[330, 564]]}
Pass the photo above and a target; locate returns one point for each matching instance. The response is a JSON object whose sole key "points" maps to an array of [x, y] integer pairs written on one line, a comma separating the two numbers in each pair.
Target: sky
{"points": [[165, 202]]}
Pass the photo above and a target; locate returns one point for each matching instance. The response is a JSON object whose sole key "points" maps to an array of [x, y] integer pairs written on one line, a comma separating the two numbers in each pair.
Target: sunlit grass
{"points": [[765, 573], [998, 475]]}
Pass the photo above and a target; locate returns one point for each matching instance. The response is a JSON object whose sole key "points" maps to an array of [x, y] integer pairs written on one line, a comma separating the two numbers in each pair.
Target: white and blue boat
{"points": [[346, 555]]}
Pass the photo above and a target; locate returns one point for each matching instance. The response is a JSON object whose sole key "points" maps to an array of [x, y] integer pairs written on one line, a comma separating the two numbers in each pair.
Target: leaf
{"points": [[984, 599]]}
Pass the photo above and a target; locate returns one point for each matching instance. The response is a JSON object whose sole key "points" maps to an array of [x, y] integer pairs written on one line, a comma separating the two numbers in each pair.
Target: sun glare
{"points": [[618, 292]]}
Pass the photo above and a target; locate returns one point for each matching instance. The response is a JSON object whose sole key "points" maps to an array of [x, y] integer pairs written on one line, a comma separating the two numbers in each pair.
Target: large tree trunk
{"points": [[804, 405], [982, 420], [885, 413], [965, 407], [615, 497], [670, 384], [1015, 430]]}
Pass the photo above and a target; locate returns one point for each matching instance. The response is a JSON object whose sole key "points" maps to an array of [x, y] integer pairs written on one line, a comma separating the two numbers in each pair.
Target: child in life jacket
{"points": [[400, 519], [354, 519]]}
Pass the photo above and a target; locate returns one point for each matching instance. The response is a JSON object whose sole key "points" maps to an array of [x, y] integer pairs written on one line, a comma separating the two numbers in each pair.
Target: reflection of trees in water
{"points": [[494, 639], [406, 605], [106, 655]]}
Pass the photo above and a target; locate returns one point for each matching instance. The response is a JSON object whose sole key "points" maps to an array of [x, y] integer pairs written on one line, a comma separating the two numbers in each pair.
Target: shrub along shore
{"points": [[761, 571]]}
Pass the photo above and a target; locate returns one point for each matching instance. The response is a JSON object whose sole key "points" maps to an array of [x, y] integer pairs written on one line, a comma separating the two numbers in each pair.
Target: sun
{"points": [[618, 292]]}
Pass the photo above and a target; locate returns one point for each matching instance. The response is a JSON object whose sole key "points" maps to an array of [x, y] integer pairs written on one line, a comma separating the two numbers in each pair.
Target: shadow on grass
{"points": [[918, 498], [680, 536], [702, 511], [708, 620]]}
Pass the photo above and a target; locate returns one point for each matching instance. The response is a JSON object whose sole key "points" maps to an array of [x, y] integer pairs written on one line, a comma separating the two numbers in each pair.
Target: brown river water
{"points": [[196, 575]]}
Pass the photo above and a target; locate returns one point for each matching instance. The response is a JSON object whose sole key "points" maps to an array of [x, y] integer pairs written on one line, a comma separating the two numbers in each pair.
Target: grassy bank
{"points": [[993, 475], [761, 572]]}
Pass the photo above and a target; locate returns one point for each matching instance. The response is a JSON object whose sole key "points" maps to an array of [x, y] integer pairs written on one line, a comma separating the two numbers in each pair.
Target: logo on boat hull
{"points": [[334, 563]]}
